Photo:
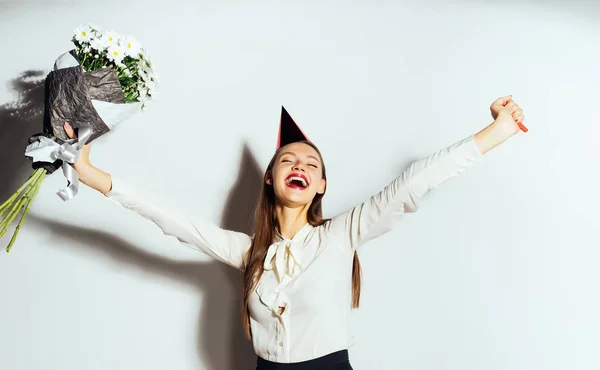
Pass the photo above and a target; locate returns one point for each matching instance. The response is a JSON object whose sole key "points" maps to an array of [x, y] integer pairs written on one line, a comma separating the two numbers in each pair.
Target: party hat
{"points": [[289, 132]]}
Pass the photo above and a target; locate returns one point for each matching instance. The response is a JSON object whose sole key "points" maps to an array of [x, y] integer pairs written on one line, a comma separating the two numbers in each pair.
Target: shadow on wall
{"points": [[19, 120], [238, 215], [221, 340]]}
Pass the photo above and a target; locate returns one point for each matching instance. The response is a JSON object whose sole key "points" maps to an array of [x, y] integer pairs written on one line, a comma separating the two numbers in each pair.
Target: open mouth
{"points": [[296, 181]]}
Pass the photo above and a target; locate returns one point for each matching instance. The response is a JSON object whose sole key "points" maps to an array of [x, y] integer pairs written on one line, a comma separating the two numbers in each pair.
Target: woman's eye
{"points": [[313, 165]]}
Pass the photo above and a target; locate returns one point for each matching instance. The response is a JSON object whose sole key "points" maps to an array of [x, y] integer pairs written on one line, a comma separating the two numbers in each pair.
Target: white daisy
{"points": [[98, 44], [143, 93], [146, 67], [145, 73], [148, 63], [151, 85], [115, 53], [152, 94], [109, 38], [94, 27], [142, 73], [131, 46], [83, 33]]}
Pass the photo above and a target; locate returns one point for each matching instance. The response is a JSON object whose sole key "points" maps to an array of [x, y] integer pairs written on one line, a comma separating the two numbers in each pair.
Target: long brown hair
{"points": [[264, 233]]}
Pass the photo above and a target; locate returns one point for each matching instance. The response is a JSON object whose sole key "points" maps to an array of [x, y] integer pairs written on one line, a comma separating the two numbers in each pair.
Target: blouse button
{"points": [[281, 344]]}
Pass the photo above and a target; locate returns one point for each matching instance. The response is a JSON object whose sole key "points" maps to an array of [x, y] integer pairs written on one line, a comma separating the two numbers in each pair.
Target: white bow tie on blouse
{"points": [[281, 260]]}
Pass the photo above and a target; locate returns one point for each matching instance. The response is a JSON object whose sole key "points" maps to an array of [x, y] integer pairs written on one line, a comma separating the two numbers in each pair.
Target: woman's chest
{"points": [[326, 282]]}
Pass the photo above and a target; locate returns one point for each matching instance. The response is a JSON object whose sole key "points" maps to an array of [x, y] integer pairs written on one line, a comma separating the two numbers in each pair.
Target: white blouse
{"points": [[309, 275]]}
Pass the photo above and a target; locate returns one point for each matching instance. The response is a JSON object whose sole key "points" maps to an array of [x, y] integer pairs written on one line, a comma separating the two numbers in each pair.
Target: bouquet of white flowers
{"points": [[102, 82]]}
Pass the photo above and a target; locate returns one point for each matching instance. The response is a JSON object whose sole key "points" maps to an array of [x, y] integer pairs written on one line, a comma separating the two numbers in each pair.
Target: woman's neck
{"points": [[291, 220]]}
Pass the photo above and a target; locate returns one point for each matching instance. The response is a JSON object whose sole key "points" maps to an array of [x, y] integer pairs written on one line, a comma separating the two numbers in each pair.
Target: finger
{"points": [[503, 100], [518, 117], [69, 130], [514, 109]]}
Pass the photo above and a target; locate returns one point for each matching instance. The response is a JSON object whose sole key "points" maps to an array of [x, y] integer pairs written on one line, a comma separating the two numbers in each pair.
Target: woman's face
{"points": [[297, 175]]}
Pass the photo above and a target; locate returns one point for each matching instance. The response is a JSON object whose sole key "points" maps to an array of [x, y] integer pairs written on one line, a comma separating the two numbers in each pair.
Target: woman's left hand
{"points": [[507, 114]]}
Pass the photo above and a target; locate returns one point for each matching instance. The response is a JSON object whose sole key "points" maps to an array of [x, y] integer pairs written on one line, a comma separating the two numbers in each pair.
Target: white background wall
{"points": [[498, 270]]}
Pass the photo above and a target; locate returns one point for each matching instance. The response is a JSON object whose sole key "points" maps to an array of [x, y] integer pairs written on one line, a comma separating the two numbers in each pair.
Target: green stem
{"points": [[15, 209], [32, 178], [9, 200], [37, 185], [13, 212]]}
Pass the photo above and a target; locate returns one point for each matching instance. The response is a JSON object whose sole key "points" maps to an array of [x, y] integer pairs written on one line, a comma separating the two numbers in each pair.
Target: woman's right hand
{"points": [[84, 153], [88, 174]]}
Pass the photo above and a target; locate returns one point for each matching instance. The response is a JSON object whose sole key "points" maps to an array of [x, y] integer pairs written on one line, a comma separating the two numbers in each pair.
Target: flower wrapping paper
{"points": [[103, 81], [76, 96]]}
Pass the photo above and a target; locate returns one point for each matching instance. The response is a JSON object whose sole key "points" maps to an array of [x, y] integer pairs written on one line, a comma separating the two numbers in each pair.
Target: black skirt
{"points": [[334, 361]]}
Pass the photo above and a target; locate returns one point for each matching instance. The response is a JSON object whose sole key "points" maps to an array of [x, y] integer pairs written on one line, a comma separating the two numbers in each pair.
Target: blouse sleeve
{"points": [[378, 214], [224, 245]]}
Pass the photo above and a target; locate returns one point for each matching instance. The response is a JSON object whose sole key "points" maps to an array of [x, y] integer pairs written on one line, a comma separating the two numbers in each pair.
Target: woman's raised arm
{"points": [[226, 246], [378, 214]]}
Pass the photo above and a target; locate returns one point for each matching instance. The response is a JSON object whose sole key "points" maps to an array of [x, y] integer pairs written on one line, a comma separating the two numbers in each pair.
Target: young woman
{"points": [[301, 271]]}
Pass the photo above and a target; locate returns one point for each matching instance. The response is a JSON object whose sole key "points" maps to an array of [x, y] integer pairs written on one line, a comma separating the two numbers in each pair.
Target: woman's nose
{"points": [[298, 167]]}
